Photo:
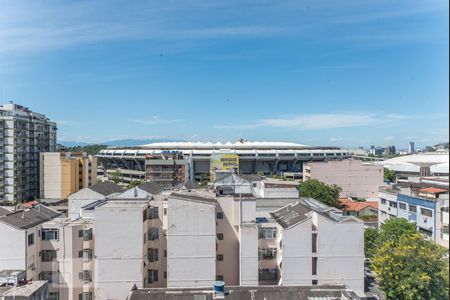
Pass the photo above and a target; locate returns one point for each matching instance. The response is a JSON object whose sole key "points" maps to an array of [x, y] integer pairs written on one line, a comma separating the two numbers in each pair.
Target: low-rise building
{"points": [[356, 178], [14, 286], [169, 168], [423, 201]]}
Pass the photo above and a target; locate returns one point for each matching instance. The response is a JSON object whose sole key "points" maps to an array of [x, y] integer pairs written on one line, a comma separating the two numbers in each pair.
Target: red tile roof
{"points": [[350, 205], [29, 204], [433, 190]]}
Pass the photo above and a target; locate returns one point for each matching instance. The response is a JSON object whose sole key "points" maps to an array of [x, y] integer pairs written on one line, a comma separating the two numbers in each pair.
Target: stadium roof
{"points": [[219, 145]]}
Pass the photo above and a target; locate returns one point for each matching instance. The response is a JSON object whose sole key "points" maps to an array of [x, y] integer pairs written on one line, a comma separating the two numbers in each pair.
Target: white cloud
{"points": [[323, 121], [388, 138], [155, 120]]}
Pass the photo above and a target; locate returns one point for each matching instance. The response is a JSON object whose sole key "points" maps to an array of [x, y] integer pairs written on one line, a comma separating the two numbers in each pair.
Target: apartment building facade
{"points": [[24, 134], [357, 179], [183, 238], [423, 201], [64, 173], [169, 168]]}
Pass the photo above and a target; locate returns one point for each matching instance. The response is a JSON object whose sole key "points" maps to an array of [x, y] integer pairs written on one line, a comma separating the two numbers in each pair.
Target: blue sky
{"points": [[340, 73]]}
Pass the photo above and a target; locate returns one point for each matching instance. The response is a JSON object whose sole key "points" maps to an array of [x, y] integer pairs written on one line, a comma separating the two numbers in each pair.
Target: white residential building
{"points": [[23, 135]]}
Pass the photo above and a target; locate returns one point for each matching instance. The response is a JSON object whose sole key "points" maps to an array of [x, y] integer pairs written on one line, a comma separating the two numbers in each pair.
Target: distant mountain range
{"points": [[119, 143]]}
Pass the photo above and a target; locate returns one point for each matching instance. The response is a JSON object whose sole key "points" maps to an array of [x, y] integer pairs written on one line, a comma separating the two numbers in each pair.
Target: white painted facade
{"points": [[120, 248], [191, 243]]}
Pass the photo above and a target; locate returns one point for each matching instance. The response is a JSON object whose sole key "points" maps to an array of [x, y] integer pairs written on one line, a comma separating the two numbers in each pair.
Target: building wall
{"points": [[119, 248], [81, 198], [12, 250], [248, 255], [229, 246], [296, 251], [191, 244], [340, 253], [354, 177]]}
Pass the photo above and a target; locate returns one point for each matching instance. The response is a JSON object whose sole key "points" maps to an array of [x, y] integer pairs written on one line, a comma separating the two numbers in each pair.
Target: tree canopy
{"points": [[411, 268], [389, 175], [327, 194], [134, 183], [391, 230], [116, 176], [89, 149]]}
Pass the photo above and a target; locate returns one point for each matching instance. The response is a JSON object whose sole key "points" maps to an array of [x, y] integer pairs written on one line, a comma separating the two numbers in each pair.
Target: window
{"points": [[165, 211], [145, 237], [219, 215], [315, 282], [31, 239], [153, 234], [80, 233], [165, 275], [314, 266], [85, 276], [268, 274], [165, 253], [53, 296], [426, 212], [412, 208], [152, 254], [85, 296], [393, 204], [267, 233], [268, 253], [50, 234], [51, 277], [219, 257], [152, 276], [87, 235], [144, 215], [86, 254], [402, 205], [220, 236], [48, 255], [314, 243], [153, 213], [383, 201], [219, 278]]}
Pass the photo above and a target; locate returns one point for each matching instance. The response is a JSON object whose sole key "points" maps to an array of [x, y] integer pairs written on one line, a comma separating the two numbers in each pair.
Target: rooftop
{"points": [[325, 292], [106, 188], [196, 196], [291, 214], [4, 211], [350, 205], [151, 187], [219, 145], [28, 218], [433, 190], [25, 290]]}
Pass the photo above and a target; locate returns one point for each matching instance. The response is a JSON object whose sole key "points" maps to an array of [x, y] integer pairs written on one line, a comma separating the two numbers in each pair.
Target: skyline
{"points": [[316, 73]]}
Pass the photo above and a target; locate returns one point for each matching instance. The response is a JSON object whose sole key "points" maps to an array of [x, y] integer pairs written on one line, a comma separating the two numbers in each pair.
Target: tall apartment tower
{"points": [[23, 135]]}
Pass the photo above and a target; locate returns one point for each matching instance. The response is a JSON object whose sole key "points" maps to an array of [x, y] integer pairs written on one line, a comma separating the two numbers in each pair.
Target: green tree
{"points": [[370, 241], [393, 229], [411, 268], [134, 183], [116, 176], [327, 194], [389, 175], [89, 149]]}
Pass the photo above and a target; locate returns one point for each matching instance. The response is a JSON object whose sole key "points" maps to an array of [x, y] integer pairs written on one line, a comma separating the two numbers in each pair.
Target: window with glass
{"points": [[412, 208], [267, 233], [152, 254], [268, 253], [426, 212], [402, 205], [31, 239], [153, 233], [50, 234], [153, 213], [219, 257], [87, 234], [85, 276], [85, 296], [48, 255], [152, 276]]}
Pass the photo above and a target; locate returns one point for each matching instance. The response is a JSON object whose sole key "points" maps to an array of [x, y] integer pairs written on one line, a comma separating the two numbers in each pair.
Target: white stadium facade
{"points": [[254, 157]]}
